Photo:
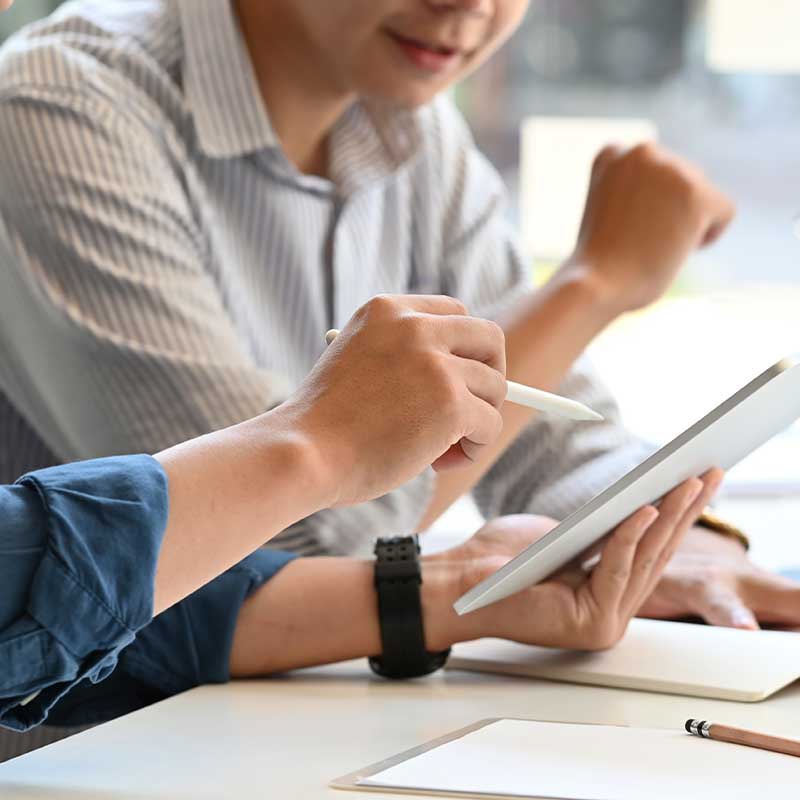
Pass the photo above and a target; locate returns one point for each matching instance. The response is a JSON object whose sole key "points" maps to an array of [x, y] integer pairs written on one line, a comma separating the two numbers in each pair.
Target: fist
{"points": [[646, 211]]}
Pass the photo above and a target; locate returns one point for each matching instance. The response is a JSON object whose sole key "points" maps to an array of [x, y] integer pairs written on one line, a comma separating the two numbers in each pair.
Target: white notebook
{"points": [[512, 758], [655, 656]]}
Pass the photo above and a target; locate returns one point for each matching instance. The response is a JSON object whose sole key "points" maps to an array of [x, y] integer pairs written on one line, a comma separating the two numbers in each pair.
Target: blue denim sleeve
{"points": [[80, 543], [185, 646]]}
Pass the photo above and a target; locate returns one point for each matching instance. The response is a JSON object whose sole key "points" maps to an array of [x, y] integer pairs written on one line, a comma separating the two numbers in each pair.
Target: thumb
{"points": [[453, 458], [725, 212], [726, 609], [609, 153]]}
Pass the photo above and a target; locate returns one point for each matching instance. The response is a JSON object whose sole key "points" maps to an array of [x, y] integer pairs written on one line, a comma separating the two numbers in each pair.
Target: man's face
{"points": [[4, 4], [404, 51]]}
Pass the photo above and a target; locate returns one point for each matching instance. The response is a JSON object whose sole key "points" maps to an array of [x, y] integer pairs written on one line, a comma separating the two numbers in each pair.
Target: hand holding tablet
{"points": [[575, 609]]}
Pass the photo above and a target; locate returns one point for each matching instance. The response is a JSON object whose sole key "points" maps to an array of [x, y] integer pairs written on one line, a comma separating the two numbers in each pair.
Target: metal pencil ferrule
{"points": [[699, 727]]}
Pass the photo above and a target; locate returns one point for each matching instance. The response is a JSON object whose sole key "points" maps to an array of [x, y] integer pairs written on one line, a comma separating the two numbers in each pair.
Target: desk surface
{"points": [[288, 737]]}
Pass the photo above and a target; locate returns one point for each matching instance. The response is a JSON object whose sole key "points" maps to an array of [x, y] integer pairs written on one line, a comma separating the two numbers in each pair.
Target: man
{"points": [[195, 191]]}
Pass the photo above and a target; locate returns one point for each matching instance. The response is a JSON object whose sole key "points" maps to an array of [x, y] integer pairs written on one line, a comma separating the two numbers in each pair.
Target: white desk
{"points": [[286, 738]]}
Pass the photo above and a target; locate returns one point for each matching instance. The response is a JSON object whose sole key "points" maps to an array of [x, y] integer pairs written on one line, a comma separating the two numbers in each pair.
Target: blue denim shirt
{"points": [[78, 551]]}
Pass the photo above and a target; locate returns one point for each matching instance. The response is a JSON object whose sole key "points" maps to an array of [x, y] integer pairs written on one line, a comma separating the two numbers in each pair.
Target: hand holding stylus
{"points": [[411, 381], [532, 398]]}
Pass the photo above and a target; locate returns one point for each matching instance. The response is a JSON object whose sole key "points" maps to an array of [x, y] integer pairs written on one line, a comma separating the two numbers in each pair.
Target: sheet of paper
{"points": [[595, 762]]}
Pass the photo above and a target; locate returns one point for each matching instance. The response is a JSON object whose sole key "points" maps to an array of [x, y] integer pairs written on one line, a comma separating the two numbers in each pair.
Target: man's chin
{"points": [[408, 97]]}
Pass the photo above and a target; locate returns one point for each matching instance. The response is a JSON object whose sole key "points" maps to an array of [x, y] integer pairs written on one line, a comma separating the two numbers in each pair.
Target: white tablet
{"points": [[748, 419]]}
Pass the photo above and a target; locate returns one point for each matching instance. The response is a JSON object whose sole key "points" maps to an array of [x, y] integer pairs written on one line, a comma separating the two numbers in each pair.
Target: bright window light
{"points": [[744, 36], [557, 155]]}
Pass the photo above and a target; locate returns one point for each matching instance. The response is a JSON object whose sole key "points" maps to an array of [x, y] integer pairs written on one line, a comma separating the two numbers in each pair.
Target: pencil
{"points": [[532, 398], [723, 733]]}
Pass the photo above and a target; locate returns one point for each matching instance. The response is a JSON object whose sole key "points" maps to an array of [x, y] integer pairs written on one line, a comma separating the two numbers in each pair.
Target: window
{"points": [[719, 82]]}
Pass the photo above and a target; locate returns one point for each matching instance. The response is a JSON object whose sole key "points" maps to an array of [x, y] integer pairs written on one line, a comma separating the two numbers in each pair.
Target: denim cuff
{"points": [[92, 590]]}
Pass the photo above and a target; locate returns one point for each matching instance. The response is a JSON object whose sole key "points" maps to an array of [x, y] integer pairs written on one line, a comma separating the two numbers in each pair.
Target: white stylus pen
{"points": [[532, 398]]}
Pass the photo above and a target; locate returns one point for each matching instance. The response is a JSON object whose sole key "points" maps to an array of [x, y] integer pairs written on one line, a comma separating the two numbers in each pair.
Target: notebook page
{"points": [[656, 655], [595, 762]]}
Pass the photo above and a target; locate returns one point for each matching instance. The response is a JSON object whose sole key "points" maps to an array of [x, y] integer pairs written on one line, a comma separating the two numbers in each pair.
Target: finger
{"points": [[775, 598], [609, 154], [484, 424], [483, 381], [453, 458], [723, 217], [438, 304], [647, 560], [709, 483], [713, 478], [723, 607], [610, 577], [476, 339]]}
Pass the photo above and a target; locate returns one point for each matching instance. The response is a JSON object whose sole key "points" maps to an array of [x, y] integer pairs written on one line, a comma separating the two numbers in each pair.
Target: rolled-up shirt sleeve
{"points": [[185, 646], [78, 550]]}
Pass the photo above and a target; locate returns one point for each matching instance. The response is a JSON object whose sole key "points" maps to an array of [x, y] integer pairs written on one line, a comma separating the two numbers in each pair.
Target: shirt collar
{"points": [[219, 82], [370, 142]]}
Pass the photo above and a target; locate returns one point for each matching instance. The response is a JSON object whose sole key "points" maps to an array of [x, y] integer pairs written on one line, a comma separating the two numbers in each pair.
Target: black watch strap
{"points": [[397, 581]]}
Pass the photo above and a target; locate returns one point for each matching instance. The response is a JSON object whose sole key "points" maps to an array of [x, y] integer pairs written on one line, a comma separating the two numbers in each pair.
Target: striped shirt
{"points": [[166, 271]]}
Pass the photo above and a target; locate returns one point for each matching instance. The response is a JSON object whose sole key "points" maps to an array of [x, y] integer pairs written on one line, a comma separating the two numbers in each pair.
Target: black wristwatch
{"points": [[397, 581]]}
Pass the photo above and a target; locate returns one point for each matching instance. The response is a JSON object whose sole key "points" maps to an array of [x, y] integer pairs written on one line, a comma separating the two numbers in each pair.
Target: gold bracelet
{"points": [[713, 523]]}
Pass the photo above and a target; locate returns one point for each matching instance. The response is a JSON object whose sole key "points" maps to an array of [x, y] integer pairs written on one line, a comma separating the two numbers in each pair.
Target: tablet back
{"points": [[765, 407]]}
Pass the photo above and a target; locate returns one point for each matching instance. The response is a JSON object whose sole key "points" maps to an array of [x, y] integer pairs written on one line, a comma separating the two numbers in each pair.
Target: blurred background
{"points": [[718, 81]]}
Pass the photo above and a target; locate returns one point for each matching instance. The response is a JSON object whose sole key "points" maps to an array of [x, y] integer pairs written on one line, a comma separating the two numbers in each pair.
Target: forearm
{"points": [[646, 210], [323, 610], [229, 492], [545, 334]]}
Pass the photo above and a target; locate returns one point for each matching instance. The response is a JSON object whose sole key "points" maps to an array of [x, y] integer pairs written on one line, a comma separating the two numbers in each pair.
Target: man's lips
{"points": [[444, 49], [433, 57]]}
